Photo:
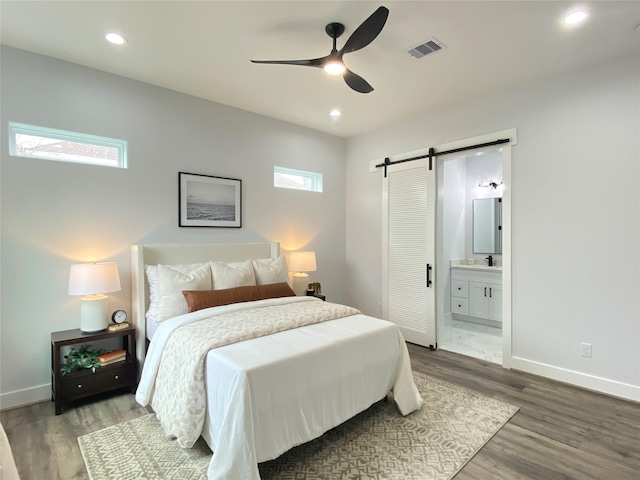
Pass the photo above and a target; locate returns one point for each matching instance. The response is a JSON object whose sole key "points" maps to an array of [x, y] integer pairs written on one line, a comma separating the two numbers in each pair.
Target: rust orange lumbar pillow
{"points": [[199, 299]]}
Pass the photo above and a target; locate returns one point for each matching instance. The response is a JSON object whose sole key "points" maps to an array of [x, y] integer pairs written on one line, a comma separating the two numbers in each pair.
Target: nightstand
{"points": [[321, 297], [85, 383]]}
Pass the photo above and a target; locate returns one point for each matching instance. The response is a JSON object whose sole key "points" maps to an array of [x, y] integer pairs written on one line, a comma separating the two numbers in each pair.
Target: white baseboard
{"points": [[28, 396], [627, 391], [583, 380]]}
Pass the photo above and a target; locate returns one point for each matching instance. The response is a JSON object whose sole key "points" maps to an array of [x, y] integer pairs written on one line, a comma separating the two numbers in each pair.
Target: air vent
{"points": [[426, 48]]}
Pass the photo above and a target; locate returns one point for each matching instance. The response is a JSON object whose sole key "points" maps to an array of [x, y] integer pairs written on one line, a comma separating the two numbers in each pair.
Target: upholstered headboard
{"points": [[176, 254]]}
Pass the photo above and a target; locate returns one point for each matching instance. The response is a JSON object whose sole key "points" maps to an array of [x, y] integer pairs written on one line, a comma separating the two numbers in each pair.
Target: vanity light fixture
{"points": [[490, 184]]}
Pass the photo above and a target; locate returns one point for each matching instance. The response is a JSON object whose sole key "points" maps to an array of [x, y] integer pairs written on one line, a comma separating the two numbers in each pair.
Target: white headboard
{"points": [[178, 254]]}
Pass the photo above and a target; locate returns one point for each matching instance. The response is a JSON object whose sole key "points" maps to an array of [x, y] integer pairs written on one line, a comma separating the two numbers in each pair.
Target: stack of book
{"points": [[114, 327], [112, 357]]}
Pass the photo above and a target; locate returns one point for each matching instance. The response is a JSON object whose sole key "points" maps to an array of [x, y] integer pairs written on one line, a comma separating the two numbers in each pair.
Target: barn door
{"points": [[409, 196]]}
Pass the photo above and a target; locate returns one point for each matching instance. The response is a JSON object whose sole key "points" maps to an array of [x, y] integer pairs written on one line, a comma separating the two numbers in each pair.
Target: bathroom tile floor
{"points": [[473, 340]]}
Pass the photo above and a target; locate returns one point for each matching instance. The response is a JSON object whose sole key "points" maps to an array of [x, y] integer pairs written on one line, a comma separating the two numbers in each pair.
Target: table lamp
{"points": [[301, 262], [93, 280]]}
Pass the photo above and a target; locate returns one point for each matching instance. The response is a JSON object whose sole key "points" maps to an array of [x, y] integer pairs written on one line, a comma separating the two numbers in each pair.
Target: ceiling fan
{"points": [[332, 63]]}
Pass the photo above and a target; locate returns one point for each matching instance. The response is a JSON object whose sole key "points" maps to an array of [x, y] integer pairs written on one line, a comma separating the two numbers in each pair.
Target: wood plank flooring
{"points": [[560, 432]]}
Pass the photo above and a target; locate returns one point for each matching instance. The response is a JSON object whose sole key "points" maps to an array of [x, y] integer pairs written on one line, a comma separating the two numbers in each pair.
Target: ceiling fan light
{"points": [[334, 68]]}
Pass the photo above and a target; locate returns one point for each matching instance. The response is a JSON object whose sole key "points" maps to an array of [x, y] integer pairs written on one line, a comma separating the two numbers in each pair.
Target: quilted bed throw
{"points": [[179, 399]]}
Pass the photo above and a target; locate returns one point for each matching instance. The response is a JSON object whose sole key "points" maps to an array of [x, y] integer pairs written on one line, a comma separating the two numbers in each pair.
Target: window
{"points": [[297, 179], [51, 144]]}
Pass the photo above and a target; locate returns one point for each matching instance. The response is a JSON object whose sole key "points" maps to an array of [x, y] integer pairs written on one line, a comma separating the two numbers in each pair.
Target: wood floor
{"points": [[560, 432]]}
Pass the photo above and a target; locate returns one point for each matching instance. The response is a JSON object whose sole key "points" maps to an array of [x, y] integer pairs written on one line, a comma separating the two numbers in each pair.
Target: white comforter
{"points": [[269, 394]]}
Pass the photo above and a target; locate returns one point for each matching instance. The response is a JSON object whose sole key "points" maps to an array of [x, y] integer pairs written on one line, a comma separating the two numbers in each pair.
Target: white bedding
{"points": [[271, 393], [152, 326]]}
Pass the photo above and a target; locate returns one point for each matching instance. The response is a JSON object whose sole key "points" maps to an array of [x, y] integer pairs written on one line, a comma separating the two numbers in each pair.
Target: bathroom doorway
{"points": [[470, 255]]}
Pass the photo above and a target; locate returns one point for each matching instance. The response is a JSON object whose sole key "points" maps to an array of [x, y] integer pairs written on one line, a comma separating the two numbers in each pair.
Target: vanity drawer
{"points": [[459, 288], [460, 305]]}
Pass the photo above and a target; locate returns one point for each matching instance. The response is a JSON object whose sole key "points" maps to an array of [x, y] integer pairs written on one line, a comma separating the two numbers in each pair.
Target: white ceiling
{"points": [[203, 49]]}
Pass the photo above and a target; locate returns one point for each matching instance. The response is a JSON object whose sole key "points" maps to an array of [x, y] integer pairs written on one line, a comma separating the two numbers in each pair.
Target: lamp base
{"points": [[300, 282], [93, 313]]}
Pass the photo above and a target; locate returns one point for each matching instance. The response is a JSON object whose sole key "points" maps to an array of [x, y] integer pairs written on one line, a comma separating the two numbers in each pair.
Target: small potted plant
{"points": [[84, 357], [314, 289]]}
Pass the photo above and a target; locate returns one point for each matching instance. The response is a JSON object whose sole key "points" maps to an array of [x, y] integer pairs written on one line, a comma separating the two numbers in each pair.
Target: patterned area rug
{"points": [[433, 443]]}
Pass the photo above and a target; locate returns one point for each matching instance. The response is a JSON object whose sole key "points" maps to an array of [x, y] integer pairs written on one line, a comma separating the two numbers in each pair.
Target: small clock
{"points": [[119, 316]]}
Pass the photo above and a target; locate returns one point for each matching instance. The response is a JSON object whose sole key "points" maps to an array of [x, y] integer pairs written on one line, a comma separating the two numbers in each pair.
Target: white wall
{"points": [[55, 214], [575, 214]]}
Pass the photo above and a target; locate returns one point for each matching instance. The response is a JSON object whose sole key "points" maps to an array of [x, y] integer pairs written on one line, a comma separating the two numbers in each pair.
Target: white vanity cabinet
{"points": [[476, 294], [485, 300]]}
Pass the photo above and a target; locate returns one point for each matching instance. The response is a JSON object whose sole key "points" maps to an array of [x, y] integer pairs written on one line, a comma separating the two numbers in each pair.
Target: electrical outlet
{"points": [[586, 349]]}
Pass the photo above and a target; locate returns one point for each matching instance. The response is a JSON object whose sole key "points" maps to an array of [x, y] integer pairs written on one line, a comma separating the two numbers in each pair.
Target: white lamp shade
{"points": [[92, 278], [302, 262]]}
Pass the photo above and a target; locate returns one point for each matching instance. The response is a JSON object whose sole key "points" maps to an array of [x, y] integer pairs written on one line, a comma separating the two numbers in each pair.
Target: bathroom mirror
{"points": [[487, 225]]}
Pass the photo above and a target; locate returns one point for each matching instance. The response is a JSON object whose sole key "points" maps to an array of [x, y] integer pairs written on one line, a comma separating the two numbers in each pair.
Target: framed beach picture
{"points": [[207, 201]]}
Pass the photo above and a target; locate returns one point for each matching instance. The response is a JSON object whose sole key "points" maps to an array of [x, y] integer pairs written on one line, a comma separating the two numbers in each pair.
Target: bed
{"points": [[264, 394]]}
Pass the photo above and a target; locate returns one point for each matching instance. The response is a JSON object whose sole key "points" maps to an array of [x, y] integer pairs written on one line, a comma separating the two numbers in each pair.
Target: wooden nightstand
{"points": [[85, 383], [321, 297]]}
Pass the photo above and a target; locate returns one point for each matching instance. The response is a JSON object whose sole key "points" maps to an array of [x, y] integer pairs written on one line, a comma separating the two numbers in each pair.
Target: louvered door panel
{"points": [[410, 247]]}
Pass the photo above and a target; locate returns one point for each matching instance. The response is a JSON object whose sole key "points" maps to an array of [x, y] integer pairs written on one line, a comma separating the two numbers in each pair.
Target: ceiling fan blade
{"points": [[367, 31], [356, 82], [314, 62]]}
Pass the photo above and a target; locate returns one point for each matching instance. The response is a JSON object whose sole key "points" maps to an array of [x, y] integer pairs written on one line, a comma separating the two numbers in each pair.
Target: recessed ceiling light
{"points": [[115, 38], [335, 113], [577, 16]]}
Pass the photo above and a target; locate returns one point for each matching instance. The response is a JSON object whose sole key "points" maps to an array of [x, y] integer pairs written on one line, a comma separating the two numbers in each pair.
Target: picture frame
{"points": [[209, 201]]}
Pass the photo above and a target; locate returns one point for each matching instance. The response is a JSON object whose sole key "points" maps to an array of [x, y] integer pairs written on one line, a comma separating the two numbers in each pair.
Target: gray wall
{"points": [[575, 217], [55, 214]]}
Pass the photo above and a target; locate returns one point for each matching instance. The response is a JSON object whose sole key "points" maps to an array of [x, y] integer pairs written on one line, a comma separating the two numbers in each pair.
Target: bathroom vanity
{"points": [[476, 294]]}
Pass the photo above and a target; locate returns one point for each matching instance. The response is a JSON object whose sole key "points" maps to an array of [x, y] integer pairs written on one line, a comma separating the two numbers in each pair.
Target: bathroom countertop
{"points": [[479, 268]]}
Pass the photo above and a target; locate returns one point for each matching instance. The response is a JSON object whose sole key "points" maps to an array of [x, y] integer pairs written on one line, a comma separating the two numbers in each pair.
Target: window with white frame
{"points": [[297, 179], [63, 146]]}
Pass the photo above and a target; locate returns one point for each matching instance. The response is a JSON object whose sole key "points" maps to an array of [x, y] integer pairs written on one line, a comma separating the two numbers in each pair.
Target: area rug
{"points": [[433, 443]]}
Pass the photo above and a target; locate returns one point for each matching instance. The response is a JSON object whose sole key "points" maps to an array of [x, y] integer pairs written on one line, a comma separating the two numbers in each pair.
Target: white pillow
{"points": [[171, 283], [271, 270], [152, 279], [231, 275]]}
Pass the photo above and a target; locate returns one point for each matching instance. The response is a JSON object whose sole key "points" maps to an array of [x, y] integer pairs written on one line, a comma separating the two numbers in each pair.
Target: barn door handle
{"points": [[429, 282]]}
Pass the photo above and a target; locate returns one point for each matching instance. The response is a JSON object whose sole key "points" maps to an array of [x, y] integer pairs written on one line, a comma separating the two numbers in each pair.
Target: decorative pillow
{"points": [[230, 275], [171, 282], [199, 299], [271, 270], [152, 279]]}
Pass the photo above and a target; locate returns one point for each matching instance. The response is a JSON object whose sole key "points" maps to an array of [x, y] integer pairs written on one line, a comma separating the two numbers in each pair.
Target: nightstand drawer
{"points": [[460, 305], [460, 288], [77, 386]]}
